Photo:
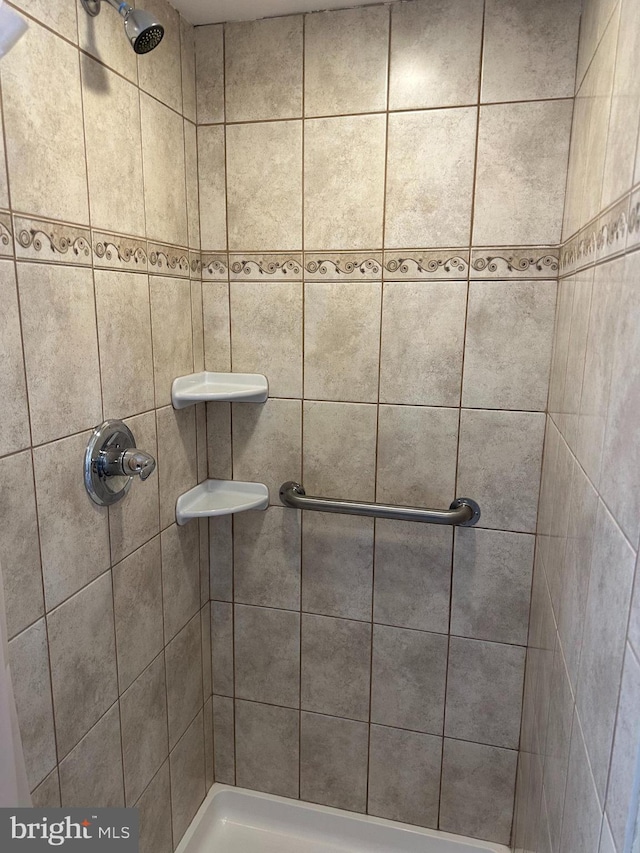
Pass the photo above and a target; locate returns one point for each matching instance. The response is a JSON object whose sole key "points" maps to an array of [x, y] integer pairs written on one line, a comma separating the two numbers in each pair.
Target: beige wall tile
{"points": [[4, 185], [28, 657], [217, 326], [222, 661], [47, 173], [606, 298], [267, 655], [212, 193], [522, 161], [155, 814], [595, 17], [84, 685], [429, 178], [337, 565], [339, 79], [219, 441], [404, 775], [335, 666], [180, 576], [266, 558], [74, 533], [135, 518], [499, 465], [422, 342], [224, 739], [191, 177], [188, 60], [137, 595], [409, 674], [145, 744], [102, 38], [582, 812], [60, 18], [266, 323], [114, 159], [620, 463], [183, 661], [492, 585], [508, 344], [413, 575], [333, 761], [80, 785], [159, 72], [605, 624], [267, 748], [530, 49], [344, 182], [625, 108], [263, 69], [171, 330], [339, 450], [428, 41], [14, 414], [264, 165], [417, 456], [266, 443], [210, 74], [187, 778], [164, 170], [124, 333], [19, 543], [47, 794], [342, 341], [176, 458], [477, 790]]}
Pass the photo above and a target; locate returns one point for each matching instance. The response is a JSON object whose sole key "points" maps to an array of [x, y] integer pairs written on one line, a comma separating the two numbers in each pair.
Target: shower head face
{"points": [[143, 30]]}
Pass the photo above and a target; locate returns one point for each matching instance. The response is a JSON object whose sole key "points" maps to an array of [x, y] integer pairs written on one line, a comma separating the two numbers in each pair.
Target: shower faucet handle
{"points": [[137, 462]]}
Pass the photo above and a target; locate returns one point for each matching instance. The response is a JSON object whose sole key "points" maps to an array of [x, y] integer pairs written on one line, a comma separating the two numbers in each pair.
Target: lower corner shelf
{"points": [[220, 497]]}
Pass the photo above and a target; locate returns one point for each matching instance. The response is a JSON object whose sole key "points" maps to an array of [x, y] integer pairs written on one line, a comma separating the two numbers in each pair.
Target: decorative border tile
{"points": [[579, 251], [214, 266], [342, 266], [53, 242], [113, 251], [633, 229], [418, 264], [281, 267], [195, 265], [515, 262], [612, 230], [6, 235], [168, 260]]}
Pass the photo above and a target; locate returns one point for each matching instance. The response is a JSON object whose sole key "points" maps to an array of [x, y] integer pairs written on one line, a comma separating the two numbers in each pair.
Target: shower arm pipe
{"points": [[119, 6], [463, 512]]}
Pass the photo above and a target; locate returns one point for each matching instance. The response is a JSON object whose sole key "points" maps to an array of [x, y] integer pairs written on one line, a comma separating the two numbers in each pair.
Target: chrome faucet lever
{"points": [[137, 462]]}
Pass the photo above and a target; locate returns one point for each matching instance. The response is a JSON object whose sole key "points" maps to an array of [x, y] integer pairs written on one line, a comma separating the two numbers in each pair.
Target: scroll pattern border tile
{"points": [[6, 235], [274, 267], [214, 266], [427, 264], [52, 242], [515, 262], [168, 260], [342, 266], [114, 251]]}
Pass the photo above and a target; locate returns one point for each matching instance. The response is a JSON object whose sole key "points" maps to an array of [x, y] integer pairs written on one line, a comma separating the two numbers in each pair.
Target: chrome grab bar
{"points": [[463, 512]]}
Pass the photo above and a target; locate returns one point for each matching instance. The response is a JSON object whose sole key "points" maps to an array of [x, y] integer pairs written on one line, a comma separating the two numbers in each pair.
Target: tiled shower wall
{"points": [[381, 197], [101, 309], [581, 730]]}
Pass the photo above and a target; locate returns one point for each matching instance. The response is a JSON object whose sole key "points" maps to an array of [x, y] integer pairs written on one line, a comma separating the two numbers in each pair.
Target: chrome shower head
{"points": [[143, 29]]}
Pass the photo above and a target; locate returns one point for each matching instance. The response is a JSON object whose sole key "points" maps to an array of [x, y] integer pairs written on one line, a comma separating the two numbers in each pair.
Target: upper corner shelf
{"points": [[207, 386]]}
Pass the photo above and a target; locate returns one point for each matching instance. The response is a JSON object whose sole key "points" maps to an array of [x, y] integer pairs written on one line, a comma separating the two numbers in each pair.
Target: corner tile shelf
{"points": [[220, 497], [223, 387]]}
